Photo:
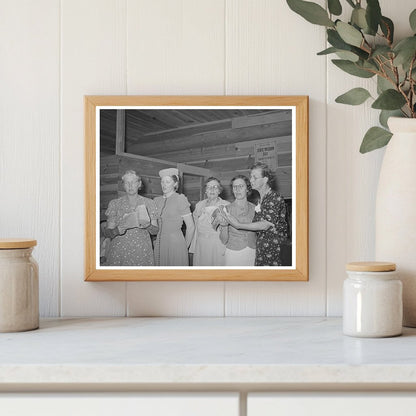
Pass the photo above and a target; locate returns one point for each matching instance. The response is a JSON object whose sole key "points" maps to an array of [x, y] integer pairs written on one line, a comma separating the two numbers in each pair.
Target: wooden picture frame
{"points": [[103, 110]]}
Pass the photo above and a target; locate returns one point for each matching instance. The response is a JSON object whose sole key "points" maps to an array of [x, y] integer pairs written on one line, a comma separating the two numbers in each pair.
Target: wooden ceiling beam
{"points": [[213, 138], [283, 145], [173, 134]]}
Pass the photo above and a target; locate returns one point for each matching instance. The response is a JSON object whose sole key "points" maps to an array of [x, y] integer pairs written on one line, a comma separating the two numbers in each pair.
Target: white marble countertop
{"points": [[160, 352]]}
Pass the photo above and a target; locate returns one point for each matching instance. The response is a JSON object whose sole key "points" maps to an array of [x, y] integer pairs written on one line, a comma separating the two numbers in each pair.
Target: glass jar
{"points": [[372, 300], [19, 286]]}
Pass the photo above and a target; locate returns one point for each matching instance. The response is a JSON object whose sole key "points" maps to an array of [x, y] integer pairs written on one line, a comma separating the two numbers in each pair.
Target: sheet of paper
{"points": [[142, 214]]}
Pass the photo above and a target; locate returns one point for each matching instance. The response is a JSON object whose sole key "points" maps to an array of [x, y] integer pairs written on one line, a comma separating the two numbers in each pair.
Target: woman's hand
{"points": [[222, 220], [144, 224], [268, 224], [231, 219], [128, 221]]}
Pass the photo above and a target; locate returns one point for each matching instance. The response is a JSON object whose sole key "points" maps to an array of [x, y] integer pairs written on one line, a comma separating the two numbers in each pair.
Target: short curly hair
{"points": [[266, 172], [245, 179], [131, 174], [213, 178]]}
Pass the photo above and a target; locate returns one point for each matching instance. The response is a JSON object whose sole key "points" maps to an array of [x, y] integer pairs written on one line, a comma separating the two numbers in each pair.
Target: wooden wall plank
{"points": [[262, 58], [176, 47], [352, 177], [29, 135], [175, 299], [93, 62]]}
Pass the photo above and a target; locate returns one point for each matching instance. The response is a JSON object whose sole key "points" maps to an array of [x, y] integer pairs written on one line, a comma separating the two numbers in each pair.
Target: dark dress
{"points": [[268, 246]]}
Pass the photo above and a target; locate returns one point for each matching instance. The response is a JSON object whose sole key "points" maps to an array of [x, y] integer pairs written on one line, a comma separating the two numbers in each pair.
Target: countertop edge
{"points": [[207, 374]]}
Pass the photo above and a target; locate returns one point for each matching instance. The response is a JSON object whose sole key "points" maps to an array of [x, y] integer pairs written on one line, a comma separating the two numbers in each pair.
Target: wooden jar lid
{"points": [[371, 266], [11, 243]]}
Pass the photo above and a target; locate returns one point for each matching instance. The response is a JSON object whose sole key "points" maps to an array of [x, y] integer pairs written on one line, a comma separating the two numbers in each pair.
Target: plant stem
{"points": [[412, 87]]}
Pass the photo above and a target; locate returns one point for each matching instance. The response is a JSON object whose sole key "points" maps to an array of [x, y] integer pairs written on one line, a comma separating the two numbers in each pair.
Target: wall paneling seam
{"points": [[60, 68]]}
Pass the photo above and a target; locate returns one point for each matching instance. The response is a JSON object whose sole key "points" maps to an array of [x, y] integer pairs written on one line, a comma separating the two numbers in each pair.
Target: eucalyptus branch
{"points": [[406, 97], [384, 73], [395, 71], [387, 38], [369, 46], [412, 87], [366, 39]]}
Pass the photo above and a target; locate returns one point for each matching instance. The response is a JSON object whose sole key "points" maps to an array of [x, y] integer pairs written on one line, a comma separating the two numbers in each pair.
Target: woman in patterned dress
{"points": [[171, 247], [130, 243], [270, 218], [207, 247]]}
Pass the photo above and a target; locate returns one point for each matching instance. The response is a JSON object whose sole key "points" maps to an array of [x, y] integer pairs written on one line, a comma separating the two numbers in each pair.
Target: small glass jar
{"points": [[372, 300], [19, 286]]}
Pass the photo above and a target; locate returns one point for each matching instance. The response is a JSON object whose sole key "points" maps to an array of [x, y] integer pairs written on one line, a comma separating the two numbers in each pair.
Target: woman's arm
{"points": [[224, 234], [153, 227], [112, 229], [252, 226], [190, 228]]}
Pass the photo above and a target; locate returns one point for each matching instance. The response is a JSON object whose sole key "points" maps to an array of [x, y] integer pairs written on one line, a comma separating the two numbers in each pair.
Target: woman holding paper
{"points": [[207, 247], [171, 247], [131, 220], [240, 244], [269, 222]]}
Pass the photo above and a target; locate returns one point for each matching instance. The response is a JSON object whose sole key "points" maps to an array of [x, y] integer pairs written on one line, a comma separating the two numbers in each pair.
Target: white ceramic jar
{"points": [[372, 300], [19, 286]]}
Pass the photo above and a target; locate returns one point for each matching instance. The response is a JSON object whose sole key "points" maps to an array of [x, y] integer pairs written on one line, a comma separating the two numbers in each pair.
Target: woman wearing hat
{"points": [[130, 243], [171, 248]]}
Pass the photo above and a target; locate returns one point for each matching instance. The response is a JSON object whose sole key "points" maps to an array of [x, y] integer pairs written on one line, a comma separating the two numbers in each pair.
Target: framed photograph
{"points": [[196, 188]]}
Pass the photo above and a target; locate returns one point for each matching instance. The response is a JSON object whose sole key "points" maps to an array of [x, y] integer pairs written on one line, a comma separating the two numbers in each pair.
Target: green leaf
{"points": [[355, 96], [386, 114], [383, 84], [311, 12], [412, 20], [373, 15], [381, 50], [349, 34], [358, 18], [352, 68], [334, 7], [336, 41], [370, 65], [389, 100], [405, 50], [348, 56], [375, 138], [387, 27], [327, 51]]}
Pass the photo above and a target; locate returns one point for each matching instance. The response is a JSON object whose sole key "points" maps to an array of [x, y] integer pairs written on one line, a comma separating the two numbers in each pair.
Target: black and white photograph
{"points": [[195, 187]]}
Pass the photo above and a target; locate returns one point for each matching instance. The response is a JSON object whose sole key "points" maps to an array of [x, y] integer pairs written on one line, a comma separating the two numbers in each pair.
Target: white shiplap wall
{"points": [[55, 52]]}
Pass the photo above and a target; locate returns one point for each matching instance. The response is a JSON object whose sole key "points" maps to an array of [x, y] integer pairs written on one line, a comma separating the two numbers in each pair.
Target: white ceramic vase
{"points": [[396, 210]]}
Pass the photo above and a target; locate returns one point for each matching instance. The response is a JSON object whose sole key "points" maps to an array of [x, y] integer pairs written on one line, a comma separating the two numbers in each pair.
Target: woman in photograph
{"points": [[270, 219], [171, 248], [207, 247], [130, 221], [240, 244]]}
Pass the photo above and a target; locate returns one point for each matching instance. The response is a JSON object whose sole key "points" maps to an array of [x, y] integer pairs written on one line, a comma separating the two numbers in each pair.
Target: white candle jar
{"points": [[19, 286], [372, 297]]}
